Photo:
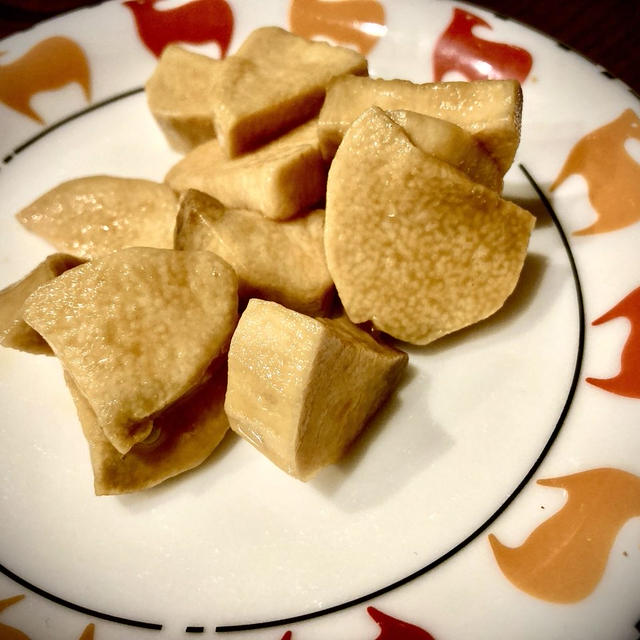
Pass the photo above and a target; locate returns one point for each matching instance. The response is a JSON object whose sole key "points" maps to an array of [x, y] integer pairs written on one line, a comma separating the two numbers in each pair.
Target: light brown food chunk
{"points": [[450, 143], [275, 81], [490, 110], [412, 244], [136, 330], [183, 436], [301, 389], [279, 180], [14, 331], [280, 261], [89, 217], [179, 96]]}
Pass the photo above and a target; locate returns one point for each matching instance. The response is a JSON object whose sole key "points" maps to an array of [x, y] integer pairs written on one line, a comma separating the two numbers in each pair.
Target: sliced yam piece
{"points": [[301, 389], [14, 331], [274, 82], [450, 143], [183, 436], [280, 179], [279, 261], [412, 244], [490, 110], [136, 330], [89, 217], [179, 96]]}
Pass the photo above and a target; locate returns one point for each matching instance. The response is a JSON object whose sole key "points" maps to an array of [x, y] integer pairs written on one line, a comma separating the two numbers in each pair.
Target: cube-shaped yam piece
{"points": [[490, 110], [279, 261], [449, 142], [136, 330], [280, 179], [14, 331], [179, 96], [412, 244], [301, 389], [91, 216], [182, 437], [275, 81]]}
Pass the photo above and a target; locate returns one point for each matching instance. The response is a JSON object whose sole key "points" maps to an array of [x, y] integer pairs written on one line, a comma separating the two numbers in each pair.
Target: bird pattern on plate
{"points": [[11, 633], [460, 49]]}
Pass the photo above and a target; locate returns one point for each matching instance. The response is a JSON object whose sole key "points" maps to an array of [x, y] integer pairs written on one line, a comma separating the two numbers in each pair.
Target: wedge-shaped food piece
{"points": [[279, 261], [136, 330], [89, 217], [279, 180], [450, 143], [412, 244], [14, 331], [275, 81], [301, 389], [183, 437], [179, 96], [490, 110]]}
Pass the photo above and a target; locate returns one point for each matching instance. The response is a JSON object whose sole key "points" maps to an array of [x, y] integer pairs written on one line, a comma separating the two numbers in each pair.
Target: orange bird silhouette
{"points": [[196, 22], [51, 64], [357, 22], [627, 382], [612, 175], [6, 632], [564, 558], [458, 49], [11, 633]]}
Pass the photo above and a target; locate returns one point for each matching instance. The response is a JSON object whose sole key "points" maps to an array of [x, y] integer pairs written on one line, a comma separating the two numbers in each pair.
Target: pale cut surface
{"points": [[136, 330], [179, 95], [450, 143], [275, 81], [14, 331], [279, 261], [183, 436], [89, 217], [280, 179], [490, 110], [301, 389], [412, 244]]}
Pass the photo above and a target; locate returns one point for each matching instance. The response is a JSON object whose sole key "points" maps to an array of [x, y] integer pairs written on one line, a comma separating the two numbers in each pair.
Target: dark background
{"points": [[607, 32]]}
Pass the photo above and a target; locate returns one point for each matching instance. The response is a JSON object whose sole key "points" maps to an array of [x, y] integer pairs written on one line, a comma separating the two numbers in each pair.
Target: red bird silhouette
{"points": [[394, 629], [390, 628], [51, 64], [196, 22], [627, 382], [458, 49]]}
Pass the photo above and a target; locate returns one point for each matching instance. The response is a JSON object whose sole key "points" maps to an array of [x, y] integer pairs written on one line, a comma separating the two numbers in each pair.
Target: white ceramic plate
{"points": [[407, 538]]}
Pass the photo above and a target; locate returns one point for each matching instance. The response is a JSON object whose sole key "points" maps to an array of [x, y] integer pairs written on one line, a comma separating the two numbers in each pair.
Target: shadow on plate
{"points": [[372, 471], [195, 481]]}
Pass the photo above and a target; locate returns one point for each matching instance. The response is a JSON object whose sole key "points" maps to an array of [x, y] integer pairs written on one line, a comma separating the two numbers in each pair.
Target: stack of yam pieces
{"points": [[317, 219]]}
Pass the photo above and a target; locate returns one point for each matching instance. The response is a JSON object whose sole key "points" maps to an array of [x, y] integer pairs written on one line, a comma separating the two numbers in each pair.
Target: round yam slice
{"points": [[94, 215], [412, 244], [136, 330]]}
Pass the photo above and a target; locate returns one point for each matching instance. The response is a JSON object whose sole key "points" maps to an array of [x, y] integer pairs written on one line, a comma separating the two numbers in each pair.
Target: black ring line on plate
{"points": [[77, 607], [485, 525], [70, 118], [419, 572]]}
